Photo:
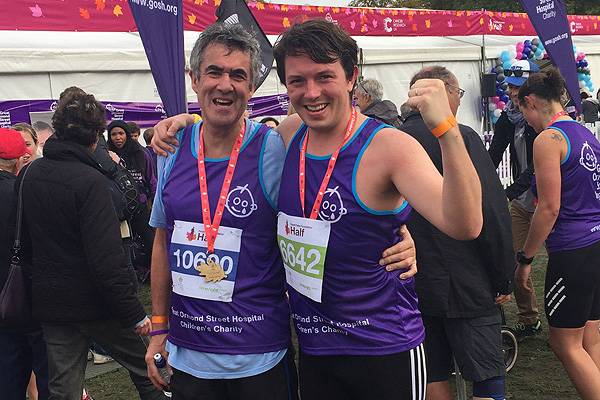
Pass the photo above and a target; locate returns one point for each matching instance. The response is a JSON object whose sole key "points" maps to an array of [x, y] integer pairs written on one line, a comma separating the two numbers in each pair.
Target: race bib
{"points": [[303, 245], [198, 274]]}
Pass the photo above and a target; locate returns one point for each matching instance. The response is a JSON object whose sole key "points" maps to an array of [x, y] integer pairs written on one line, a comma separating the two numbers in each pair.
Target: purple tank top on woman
{"points": [[364, 309], [256, 317], [578, 222]]}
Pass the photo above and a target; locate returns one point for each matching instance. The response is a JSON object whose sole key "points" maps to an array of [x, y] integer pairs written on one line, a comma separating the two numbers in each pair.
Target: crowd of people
{"points": [[252, 225]]}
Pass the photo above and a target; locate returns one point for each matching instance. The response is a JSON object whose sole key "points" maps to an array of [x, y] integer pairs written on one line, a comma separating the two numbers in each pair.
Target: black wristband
{"points": [[522, 260]]}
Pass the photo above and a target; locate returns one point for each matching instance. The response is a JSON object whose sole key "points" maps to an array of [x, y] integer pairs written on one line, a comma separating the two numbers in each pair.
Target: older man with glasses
{"points": [[369, 95], [461, 283]]}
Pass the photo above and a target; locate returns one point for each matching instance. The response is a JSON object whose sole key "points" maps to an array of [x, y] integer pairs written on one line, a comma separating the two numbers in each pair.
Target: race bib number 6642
{"points": [[303, 245]]}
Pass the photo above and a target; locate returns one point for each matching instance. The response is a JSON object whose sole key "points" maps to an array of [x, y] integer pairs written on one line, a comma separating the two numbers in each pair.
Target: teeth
{"points": [[316, 108], [221, 101]]}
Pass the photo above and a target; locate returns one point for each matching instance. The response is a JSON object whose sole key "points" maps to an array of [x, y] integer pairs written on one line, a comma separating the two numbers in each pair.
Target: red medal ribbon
{"points": [[328, 173], [212, 229], [557, 116]]}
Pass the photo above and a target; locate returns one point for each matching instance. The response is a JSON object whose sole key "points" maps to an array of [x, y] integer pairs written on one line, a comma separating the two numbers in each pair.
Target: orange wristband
{"points": [[159, 319], [444, 126]]}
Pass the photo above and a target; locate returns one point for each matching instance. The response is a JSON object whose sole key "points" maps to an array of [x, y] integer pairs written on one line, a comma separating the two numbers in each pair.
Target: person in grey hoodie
{"points": [[368, 95]]}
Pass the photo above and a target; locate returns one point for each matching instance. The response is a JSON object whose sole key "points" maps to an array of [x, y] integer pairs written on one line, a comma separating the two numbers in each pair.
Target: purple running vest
{"points": [[365, 310], [578, 222], [259, 307]]}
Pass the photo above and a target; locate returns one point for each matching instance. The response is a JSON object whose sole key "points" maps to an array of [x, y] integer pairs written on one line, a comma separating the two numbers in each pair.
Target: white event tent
{"points": [[113, 65]]}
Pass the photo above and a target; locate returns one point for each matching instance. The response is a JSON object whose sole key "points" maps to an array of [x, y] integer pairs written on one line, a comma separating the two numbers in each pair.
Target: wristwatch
{"points": [[522, 260]]}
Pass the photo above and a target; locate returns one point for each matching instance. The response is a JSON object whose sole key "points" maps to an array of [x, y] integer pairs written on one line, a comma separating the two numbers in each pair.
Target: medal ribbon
{"points": [[212, 229], [557, 116], [328, 173]]}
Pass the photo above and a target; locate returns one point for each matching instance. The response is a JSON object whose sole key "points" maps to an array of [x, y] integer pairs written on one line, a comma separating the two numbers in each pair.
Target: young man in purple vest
{"points": [[220, 310], [359, 329]]}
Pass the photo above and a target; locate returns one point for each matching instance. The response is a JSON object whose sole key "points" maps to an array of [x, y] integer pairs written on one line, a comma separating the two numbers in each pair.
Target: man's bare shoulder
{"points": [[288, 127]]}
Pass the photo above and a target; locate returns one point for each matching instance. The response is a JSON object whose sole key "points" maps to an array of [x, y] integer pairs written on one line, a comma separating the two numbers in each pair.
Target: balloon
{"points": [[494, 119], [499, 69], [584, 63], [505, 56], [495, 99], [581, 84], [519, 55], [527, 43], [506, 65], [504, 87], [499, 92], [500, 77], [524, 57], [500, 105], [492, 106], [505, 98], [497, 113], [535, 41], [533, 48], [520, 47]]}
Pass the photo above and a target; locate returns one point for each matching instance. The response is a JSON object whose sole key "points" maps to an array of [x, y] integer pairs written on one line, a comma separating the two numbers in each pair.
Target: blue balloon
{"points": [[527, 43], [505, 98], [499, 92], [505, 56], [584, 63], [506, 65]]}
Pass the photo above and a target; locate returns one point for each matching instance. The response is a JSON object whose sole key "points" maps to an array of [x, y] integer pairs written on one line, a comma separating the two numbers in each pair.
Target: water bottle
{"points": [[161, 364]]}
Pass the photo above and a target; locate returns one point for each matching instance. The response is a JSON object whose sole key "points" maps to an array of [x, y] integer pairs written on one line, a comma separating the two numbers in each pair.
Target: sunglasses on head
{"points": [[516, 72]]}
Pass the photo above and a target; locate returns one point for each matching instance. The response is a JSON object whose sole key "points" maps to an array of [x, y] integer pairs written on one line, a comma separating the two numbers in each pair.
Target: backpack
{"points": [[125, 187]]}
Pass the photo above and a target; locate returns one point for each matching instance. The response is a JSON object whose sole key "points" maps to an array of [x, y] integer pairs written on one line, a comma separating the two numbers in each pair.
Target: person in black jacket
{"points": [[369, 98], [461, 283], [512, 130], [82, 289], [22, 347]]}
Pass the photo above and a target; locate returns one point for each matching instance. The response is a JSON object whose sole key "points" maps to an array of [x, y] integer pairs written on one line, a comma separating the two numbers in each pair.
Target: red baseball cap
{"points": [[12, 144]]}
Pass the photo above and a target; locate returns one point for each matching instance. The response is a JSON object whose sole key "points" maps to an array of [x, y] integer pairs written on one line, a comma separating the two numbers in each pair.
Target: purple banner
{"points": [[144, 114], [160, 25], [549, 18]]}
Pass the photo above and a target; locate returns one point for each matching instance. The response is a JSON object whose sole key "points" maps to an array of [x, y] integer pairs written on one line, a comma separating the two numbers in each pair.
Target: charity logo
{"points": [[332, 208], [387, 24], [191, 235], [287, 228], [240, 202], [588, 159]]}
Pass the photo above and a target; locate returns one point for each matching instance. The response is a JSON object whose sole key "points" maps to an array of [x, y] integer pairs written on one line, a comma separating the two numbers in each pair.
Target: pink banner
{"points": [[115, 16]]}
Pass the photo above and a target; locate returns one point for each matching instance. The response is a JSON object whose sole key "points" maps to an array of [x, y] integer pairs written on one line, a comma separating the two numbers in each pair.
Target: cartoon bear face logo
{"points": [[588, 159], [332, 207], [240, 202]]}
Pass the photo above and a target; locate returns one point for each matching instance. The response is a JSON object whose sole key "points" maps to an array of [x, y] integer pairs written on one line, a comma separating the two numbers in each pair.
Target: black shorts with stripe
{"points": [[572, 290], [400, 376]]}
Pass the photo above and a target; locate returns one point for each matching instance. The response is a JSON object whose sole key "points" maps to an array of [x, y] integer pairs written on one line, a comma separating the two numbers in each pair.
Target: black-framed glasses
{"points": [[363, 88], [461, 92], [516, 72]]}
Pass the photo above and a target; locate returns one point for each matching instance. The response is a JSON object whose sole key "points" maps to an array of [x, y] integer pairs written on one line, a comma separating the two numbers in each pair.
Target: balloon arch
{"points": [[532, 50]]}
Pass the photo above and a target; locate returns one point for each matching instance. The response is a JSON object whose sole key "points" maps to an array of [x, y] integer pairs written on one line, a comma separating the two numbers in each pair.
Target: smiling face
{"points": [[118, 137], [320, 93], [223, 85], [31, 147]]}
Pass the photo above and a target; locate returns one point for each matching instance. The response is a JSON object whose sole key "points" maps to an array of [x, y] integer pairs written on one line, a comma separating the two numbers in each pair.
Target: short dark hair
{"points": [[80, 119], [267, 119], [433, 72], [548, 85], [133, 127], [148, 133], [324, 42]]}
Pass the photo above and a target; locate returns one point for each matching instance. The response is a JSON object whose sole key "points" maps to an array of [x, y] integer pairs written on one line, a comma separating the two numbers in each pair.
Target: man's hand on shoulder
{"points": [[164, 141]]}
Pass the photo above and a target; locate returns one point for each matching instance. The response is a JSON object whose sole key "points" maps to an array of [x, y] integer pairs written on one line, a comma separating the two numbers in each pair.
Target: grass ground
{"points": [[537, 375]]}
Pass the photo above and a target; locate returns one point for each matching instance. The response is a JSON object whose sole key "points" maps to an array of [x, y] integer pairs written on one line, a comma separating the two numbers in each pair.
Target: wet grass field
{"points": [[537, 375]]}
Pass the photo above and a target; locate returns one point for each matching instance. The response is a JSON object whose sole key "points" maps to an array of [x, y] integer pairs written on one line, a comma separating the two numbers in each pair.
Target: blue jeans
{"points": [[21, 353]]}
